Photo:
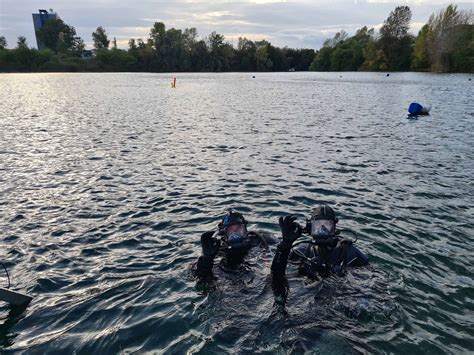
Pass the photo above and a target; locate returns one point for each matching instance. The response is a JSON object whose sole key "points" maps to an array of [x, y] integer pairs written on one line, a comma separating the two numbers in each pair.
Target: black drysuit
{"points": [[231, 257], [317, 260]]}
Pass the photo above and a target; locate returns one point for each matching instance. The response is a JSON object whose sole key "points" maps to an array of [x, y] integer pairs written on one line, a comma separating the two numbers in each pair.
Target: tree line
{"points": [[444, 44], [165, 50]]}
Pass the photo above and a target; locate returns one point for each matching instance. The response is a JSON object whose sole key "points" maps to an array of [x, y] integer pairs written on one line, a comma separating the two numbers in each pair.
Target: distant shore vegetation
{"points": [[444, 44]]}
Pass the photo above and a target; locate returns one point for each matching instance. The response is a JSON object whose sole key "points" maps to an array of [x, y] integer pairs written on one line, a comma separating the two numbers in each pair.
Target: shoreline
{"points": [[228, 72]]}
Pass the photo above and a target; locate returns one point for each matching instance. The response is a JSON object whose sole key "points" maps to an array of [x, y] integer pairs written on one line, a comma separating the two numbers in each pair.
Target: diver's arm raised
{"points": [[290, 231], [210, 247]]}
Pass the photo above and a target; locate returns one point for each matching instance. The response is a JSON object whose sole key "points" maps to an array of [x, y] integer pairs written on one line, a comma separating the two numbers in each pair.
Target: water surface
{"points": [[108, 180]]}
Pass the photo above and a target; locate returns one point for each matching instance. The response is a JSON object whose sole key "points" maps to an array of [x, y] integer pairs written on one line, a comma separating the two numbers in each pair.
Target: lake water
{"points": [[108, 180]]}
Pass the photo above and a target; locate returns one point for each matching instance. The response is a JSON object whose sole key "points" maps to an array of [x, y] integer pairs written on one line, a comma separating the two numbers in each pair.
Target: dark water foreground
{"points": [[107, 181]]}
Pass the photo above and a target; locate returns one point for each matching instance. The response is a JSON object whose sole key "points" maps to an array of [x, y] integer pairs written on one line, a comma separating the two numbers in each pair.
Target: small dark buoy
{"points": [[340, 76], [388, 74], [253, 76], [469, 79]]}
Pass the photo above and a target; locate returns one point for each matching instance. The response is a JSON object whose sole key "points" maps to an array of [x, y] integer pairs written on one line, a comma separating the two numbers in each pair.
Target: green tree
{"points": [[190, 38], [299, 59], [246, 55], [341, 52], [146, 55], [461, 58], [157, 33], [115, 59], [21, 43], [132, 45], [395, 42], [172, 50], [23, 58], [100, 38], [373, 57], [220, 53], [322, 60], [60, 38], [264, 63], [50, 32], [3, 42], [6, 60], [338, 37], [134, 51], [341, 58], [446, 28], [155, 41], [43, 58], [363, 37], [364, 34], [421, 60], [279, 61], [397, 24], [200, 56]]}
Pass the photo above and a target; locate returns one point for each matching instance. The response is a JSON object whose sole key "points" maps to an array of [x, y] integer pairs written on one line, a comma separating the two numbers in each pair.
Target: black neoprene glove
{"points": [[290, 231], [210, 245]]}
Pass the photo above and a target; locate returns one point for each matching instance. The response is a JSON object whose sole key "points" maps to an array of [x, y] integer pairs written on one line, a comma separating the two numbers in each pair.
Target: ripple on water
{"points": [[103, 203]]}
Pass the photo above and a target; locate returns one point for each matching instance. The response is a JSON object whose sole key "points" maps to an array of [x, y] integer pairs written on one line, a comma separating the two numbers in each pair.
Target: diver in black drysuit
{"points": [[326, 254], [232, 241]]}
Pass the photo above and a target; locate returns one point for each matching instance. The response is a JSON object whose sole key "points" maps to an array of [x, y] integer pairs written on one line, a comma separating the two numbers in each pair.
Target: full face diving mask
{"points": [[235, 234], [322, 228]]}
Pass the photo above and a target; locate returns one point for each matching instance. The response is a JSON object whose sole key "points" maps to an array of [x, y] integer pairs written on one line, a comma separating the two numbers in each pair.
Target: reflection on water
{"points": [[107, 181]]}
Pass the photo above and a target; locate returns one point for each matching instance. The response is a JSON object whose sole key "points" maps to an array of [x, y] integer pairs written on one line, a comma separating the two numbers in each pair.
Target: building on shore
{"points": [[39, 20]]}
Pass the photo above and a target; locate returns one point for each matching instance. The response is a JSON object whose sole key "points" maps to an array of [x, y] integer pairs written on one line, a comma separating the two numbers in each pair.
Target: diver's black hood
{"points": [[324, 212], [232, 217]]}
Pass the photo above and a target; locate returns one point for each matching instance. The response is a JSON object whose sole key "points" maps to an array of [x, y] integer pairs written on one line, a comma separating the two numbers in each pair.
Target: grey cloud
{"points": [[294, 24]]}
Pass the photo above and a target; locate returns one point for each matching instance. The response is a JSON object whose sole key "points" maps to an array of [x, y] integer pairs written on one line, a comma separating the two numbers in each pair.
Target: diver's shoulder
{"points": [[362, 258]]}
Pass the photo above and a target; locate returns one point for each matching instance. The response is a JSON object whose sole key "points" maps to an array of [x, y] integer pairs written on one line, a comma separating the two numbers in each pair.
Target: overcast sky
{"points": [[296, 24]]}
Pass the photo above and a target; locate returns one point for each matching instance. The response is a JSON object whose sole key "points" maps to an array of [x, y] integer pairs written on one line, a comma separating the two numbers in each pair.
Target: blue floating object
{"points": [[416, 109]]}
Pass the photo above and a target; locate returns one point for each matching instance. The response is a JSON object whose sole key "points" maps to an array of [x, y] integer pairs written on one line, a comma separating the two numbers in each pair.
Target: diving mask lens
{"points": [[236, 233], [235, 238], [322, 227]]}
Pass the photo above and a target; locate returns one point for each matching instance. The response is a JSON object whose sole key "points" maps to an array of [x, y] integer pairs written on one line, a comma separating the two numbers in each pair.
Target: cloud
{"points": [[290, 23]]}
